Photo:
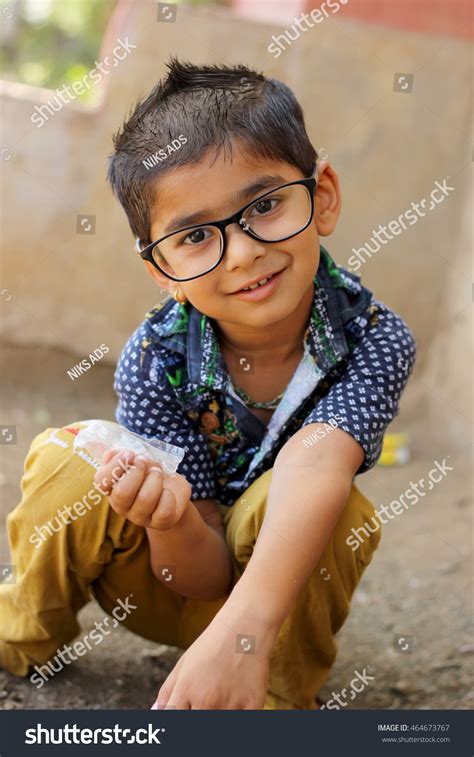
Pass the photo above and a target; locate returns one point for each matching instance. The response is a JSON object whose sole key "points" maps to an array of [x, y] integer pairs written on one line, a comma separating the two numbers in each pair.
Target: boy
{"points": [[274, 369]]}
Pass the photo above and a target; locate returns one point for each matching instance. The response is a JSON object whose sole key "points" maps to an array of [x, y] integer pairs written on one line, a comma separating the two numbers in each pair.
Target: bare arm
{"points": [[197, 550], [188, 550], [309, 489]]}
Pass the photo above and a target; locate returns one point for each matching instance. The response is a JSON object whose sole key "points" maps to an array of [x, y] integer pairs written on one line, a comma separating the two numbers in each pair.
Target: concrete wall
{"points": [[389, 147]]}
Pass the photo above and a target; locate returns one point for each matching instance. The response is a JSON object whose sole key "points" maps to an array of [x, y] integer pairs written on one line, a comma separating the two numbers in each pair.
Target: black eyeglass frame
{"points": [[310, 184]]}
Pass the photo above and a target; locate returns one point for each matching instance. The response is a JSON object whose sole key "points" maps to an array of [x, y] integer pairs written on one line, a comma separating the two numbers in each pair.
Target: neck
{"points": [[276, 344]]}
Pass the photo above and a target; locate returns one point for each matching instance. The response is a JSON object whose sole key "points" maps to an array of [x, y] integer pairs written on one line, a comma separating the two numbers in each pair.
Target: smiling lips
{"points": [[256, 282], [260, 288], [259, 284]]}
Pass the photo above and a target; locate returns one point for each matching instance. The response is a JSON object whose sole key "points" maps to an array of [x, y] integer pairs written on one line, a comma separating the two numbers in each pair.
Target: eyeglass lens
{"points": [[272, 218]]}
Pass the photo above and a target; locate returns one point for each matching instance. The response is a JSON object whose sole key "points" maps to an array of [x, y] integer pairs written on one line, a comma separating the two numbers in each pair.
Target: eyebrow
{"points": [[201, 216]]}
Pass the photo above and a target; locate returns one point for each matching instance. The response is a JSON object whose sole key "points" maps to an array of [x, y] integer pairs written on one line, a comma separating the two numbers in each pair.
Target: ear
{"points": [[163, 281], [327, 199]]}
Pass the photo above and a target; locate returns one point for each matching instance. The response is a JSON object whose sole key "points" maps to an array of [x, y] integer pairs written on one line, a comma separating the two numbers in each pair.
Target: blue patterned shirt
{"points": [[172, 383]]}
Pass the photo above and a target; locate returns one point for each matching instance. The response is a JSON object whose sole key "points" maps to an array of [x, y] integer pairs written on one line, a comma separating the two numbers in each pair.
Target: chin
{"points": [[269, 316]]}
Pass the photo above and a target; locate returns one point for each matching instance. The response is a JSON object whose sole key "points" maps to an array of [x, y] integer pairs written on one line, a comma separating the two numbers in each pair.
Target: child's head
{"points": [[205, 143]]}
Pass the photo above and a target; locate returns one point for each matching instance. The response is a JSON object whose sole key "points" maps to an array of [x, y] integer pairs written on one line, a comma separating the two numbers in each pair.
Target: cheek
{"points": [[305, 251], [201, 293]]}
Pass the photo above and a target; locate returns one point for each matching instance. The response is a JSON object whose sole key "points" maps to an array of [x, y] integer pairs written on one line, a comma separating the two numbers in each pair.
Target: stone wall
{"points": [[79, 290]]}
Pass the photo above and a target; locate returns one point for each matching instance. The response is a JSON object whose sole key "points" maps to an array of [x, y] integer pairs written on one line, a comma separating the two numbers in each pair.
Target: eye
{"points": [[197, 236], [263, 207]]}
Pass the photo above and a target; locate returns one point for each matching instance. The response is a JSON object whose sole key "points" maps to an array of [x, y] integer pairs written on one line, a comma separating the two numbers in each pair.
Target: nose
{"points": [[241, 248]]}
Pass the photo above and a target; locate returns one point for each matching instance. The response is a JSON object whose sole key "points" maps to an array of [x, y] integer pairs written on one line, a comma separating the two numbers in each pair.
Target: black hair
{"points": [[210, 107]]}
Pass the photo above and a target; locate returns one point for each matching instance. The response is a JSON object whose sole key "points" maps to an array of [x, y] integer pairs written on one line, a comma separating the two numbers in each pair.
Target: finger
{"points": [[165, 691], [165, 513], [178, 703], [113, 469], [109, 454], [125, 490], [174, 499], [174, 700], [147, 498]]}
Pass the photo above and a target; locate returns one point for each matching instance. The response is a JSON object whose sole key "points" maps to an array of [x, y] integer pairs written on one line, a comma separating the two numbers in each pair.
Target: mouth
{"points": [[252, 285], [260, 288]]}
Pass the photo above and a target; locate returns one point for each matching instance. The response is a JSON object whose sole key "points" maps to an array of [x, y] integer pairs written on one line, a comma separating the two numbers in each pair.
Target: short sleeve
{"points": [[365, 399], [151, 409]]}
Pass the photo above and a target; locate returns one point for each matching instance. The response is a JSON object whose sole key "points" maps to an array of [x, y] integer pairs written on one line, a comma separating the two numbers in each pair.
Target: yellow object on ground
{"points": [[395, 450], [100, 554]]}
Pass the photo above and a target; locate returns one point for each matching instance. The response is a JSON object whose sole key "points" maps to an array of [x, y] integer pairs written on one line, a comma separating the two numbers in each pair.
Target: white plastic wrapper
{"points": [[99, 436]]}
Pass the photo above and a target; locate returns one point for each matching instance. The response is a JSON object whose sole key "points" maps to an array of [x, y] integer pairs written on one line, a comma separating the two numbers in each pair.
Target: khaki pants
{"points": [[59, 568]]}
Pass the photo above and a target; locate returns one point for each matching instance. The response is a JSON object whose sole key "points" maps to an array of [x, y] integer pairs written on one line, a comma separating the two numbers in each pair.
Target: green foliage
{"points": [[48, 43]]}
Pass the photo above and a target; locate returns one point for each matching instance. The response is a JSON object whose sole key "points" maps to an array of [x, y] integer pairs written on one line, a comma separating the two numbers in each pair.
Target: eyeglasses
{"points": [[275, 216]]}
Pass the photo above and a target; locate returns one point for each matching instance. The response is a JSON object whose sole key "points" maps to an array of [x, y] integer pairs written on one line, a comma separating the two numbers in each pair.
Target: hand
{"points": [[216, 674], [140, 491]]}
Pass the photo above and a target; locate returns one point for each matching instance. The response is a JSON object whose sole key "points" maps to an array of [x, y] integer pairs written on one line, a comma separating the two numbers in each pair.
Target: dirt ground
{"points": [[410, 623]]}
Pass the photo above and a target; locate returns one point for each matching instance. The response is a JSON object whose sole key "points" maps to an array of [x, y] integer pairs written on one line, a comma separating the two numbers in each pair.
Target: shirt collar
{"points": [[338, 296]]}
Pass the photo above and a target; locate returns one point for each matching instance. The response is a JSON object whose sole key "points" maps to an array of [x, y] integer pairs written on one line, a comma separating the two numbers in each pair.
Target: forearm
{"points": [[307, 494], [196, 555]]}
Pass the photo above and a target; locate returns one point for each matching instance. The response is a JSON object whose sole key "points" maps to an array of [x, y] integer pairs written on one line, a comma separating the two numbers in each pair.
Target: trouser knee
{"points": [[57, 488]]}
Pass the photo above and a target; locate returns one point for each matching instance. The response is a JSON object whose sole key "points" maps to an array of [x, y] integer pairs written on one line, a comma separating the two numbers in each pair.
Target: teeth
{"points": [[259, 284]]}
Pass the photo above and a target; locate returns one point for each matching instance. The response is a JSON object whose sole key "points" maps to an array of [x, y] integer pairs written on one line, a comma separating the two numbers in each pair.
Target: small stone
{"points": [[160, 651], [404, 688], [446, 666], [448, 568]]}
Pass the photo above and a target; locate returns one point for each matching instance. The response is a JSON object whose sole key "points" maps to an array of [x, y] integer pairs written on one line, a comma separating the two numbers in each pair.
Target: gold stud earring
{"points": [[182, 300]]}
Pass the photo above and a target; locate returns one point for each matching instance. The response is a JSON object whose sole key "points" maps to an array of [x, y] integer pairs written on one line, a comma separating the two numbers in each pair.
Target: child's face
{"points": [[215, 190]]}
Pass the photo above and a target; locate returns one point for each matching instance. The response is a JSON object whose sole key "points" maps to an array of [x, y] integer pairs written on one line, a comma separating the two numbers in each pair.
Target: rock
{"points": [[404, 688], [446, 666], [159, 651]]}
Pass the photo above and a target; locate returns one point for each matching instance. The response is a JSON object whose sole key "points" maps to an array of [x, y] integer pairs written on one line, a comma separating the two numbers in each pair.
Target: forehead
{"points": [[216, 186]]}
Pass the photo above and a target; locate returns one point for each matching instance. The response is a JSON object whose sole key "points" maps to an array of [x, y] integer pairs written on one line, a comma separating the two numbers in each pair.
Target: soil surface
{"points": [[410, 625]]}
